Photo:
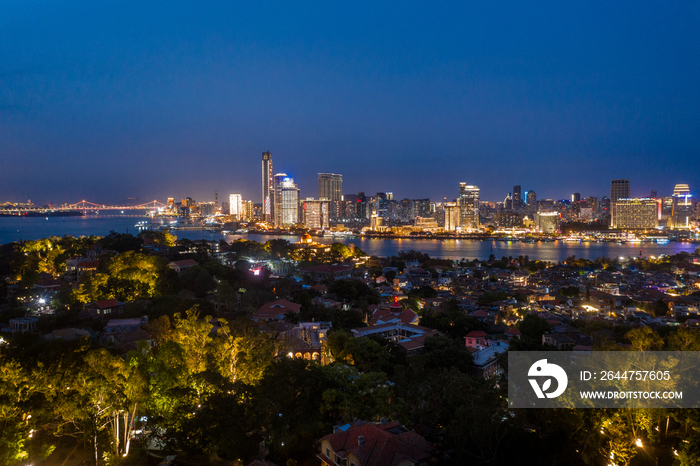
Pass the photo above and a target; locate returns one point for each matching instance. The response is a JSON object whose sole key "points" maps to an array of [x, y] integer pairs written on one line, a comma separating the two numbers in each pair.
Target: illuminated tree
{"points": [[644, 339]]}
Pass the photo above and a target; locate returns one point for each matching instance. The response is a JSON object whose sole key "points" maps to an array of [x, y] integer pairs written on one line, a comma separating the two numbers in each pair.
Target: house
{"points": [[557, 339], [181, 266], [369, 444], [276, 310], [487, 359], [307, 341], [100, 309], [21, 324], [410, 338], [125, 325], [477, 339]]}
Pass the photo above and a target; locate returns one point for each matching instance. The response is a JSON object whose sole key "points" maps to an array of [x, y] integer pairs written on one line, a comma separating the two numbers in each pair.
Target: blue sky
{"points": [[108, 100]]}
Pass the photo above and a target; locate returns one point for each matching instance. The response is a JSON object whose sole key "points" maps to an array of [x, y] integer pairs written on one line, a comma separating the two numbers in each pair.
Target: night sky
{"points": [[108, 100]]}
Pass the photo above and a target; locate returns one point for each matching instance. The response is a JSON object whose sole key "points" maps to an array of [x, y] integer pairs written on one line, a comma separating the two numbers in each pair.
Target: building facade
{"points": [[468, 206], [316, 214], [619, 189], [634, 214], [267, 188]]}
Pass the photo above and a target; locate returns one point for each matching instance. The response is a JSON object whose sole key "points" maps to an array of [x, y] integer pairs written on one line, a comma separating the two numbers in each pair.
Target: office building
{"points": [[575, 197], [634, 214], [682, 209], [235, 203], [330, 186], [517, 197], [452, 216], [316, 214], [206, 209], [277, 181], [288, 193], [267, 188], [248, 211], [619, 189], [547, 222], [468, 206]]}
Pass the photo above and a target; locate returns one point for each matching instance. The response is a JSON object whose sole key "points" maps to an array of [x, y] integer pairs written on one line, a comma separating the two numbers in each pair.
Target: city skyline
{"points": [[555, 98]]}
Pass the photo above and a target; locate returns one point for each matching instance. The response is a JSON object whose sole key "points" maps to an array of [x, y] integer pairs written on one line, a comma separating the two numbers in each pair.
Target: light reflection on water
{"points": [[14, 229]]}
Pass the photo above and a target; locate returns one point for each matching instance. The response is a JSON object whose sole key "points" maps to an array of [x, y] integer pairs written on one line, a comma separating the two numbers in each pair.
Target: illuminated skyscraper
{"points": [[330, 186], [267, 188], [682, 207], [316, 214], [235, 202], [452, 216], [277, 181], [619, 189], [468, 206], [286, 200]]}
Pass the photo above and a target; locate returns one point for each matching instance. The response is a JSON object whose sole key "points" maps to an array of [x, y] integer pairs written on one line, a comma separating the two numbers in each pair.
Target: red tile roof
{"points": [[476, 334], [106, 303], [281, 306], [382, 445], [186, 263]]}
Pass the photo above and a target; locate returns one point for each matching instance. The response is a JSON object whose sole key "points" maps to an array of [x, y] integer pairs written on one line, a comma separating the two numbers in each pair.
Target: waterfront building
{"points": [[619, 189], [547, 222], [316, 214], [508, 219], [286, 200], [277, 181], [452, 216], [248, 211], [468, 206], [634, 214], [267, 188], [235, 205], [426, 224], [682, 209], [206, 209]]}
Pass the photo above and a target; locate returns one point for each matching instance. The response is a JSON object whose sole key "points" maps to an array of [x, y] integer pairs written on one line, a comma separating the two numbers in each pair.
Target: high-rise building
{"points": [[634, 214], [381, 205], [330, 186], [548, 222], [235, 203], [316, 214], [268, 196], [531, 197], [206, 209], [576, 197], [452, 216], [287, 192], [277, 181], [619, 189], [517, 197], [468, 206], [682, 208], [248, 210]]}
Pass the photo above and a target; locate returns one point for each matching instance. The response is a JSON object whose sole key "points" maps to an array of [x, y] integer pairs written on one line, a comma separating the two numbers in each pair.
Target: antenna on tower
{"points": [[216, 197]]}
